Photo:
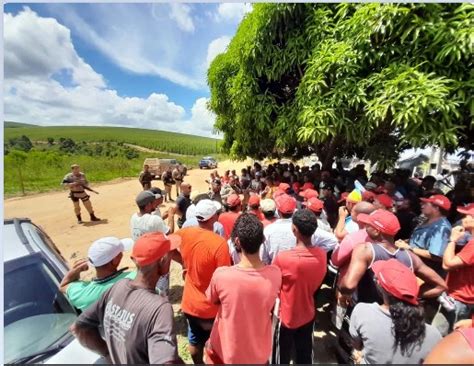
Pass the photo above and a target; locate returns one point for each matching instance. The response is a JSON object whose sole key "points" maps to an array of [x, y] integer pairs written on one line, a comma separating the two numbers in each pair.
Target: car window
{"points": [[36, 313], [38, 237]]}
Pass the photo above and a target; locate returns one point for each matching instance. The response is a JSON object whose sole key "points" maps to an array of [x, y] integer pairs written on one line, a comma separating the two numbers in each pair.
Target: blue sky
{"points": [[135, 65]]}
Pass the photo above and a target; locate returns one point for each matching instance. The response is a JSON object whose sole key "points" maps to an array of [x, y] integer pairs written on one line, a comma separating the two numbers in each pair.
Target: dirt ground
{"points": [[114, 205]]}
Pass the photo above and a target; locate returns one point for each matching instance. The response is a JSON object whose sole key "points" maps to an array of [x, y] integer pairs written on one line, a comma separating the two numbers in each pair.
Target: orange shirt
{"points": [[228, 219], [202, 251]]}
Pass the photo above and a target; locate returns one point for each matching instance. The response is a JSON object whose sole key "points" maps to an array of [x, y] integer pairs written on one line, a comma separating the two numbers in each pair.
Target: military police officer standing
{"points": [[77, 183]]}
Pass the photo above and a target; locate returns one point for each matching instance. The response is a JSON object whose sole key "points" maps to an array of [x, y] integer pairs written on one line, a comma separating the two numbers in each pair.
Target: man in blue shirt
{"points": [[430, 239]]}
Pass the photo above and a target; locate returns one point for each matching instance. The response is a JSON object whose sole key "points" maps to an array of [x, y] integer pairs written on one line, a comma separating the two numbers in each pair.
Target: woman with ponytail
{"points": [[394, 332]]}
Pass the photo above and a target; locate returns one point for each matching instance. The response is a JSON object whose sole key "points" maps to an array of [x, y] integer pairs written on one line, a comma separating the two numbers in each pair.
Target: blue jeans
{"points": [[444, 320]]}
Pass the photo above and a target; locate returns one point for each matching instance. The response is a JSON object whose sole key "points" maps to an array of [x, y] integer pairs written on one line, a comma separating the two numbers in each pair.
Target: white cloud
{"points": [[40, 47], [216, 47], [139, 39], [232, 11], [37, 49], [202, 119], [48, 102], [181, 13]]}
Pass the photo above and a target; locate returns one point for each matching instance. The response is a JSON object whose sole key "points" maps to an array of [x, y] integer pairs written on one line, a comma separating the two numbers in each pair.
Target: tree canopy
{"points": [[341, 80]]}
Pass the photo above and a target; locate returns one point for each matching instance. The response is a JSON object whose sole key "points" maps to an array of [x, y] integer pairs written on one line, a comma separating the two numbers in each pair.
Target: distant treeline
{"points": [[158, 140]]}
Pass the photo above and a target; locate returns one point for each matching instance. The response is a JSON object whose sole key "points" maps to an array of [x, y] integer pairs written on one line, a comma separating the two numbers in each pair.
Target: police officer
{"points": [[77, 183], [146, 177]]}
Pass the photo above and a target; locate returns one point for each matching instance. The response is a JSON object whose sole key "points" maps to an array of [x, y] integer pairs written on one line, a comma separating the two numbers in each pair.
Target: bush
{"points": [[22, 143]]}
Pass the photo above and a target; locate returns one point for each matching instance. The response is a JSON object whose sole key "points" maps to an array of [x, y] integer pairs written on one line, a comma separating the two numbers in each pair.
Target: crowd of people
{"points": [[257, 248]]}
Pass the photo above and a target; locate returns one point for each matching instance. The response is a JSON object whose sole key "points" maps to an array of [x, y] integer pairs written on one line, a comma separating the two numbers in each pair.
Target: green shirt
{"points": [[82, 294]]}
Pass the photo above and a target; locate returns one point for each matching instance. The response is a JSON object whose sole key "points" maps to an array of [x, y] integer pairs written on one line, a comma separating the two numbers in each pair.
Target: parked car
{"points": [[208, 162], [37, 316], [159, 166]]}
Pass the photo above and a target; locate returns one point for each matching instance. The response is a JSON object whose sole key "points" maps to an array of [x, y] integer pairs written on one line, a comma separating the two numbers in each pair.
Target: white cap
{"points": [[102, 251], [205, 209], [268, 205], [191, 211], [149, 224]]}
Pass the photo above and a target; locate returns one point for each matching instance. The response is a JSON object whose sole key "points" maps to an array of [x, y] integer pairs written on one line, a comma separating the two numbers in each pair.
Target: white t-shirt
{"points": [[323, 239], [147, 223], [323, 224], [278, 237]]}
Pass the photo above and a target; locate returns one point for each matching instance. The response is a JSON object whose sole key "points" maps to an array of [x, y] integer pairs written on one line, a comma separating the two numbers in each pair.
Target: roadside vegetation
{"points": [[35, 162]]}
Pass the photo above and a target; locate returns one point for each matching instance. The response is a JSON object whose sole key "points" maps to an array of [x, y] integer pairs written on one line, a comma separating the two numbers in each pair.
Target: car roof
{"points": [[15, 244], [22, 238]]}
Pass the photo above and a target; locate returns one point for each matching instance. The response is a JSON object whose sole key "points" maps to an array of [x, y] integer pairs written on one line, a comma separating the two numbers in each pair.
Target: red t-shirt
{"points": [[461, 281], [303, 271], [228, 219], [257, 213], [242, 331]]}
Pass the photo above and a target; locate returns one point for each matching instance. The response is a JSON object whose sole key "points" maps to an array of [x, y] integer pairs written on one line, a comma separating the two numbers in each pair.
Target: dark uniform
{"points": [[145, 179], [168, 182], [78, 193], [177, 176]]}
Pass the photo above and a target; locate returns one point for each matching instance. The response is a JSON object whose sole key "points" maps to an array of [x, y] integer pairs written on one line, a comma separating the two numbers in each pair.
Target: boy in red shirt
{"points": [[303, 269], [245, 294]]}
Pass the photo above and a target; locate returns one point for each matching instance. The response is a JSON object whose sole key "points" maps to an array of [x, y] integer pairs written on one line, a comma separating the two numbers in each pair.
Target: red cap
{"points": [[285, 187], [254, 200], [233, 200], [382, 220], [309, 193], [343, 197], [397, 279], [307, 185], [278, 193], [385, 200], [467, 210], [151, 247], [438, 200], [285, 204], [368, 196], [314, 204], [296, 187]]}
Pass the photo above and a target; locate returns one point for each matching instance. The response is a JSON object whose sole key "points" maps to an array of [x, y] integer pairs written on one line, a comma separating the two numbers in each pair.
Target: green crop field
{"points": [[158, 140]]}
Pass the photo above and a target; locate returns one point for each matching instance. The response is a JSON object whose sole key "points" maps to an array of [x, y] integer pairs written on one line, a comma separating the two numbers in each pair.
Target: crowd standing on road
{"points": [[395, 251]]}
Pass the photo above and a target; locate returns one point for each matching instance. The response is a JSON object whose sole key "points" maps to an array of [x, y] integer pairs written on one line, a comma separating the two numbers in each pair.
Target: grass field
{"points": [[169, 142], [45, 165]]}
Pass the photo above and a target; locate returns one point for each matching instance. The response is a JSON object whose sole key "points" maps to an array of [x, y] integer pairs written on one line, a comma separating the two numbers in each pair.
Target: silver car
{"points": [[37, 316]]}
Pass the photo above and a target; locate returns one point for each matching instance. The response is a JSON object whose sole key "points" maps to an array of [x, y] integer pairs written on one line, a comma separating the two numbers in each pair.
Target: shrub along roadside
{"points": [[43, 170]]}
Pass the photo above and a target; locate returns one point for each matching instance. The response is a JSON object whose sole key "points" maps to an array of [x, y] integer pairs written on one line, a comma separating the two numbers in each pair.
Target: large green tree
{"points": [[346, 79]]}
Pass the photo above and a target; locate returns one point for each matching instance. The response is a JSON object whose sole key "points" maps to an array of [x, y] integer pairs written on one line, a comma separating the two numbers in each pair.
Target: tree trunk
{"points": [[326, 153]]}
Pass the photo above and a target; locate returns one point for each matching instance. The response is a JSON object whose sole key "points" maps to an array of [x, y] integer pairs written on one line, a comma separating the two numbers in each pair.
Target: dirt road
{"points": [[115, 204]]}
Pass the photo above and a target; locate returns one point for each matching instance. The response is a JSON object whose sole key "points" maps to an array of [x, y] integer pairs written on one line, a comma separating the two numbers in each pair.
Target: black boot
{"points": [[79, 219], [94, 218]]}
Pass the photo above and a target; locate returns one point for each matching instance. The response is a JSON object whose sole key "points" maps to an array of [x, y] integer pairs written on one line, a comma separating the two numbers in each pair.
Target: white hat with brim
{"points": [[103, 250], [205, 209]]}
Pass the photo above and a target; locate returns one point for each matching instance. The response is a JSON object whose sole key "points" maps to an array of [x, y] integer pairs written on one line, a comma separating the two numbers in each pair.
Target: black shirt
{"points": [[183, 202]]}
